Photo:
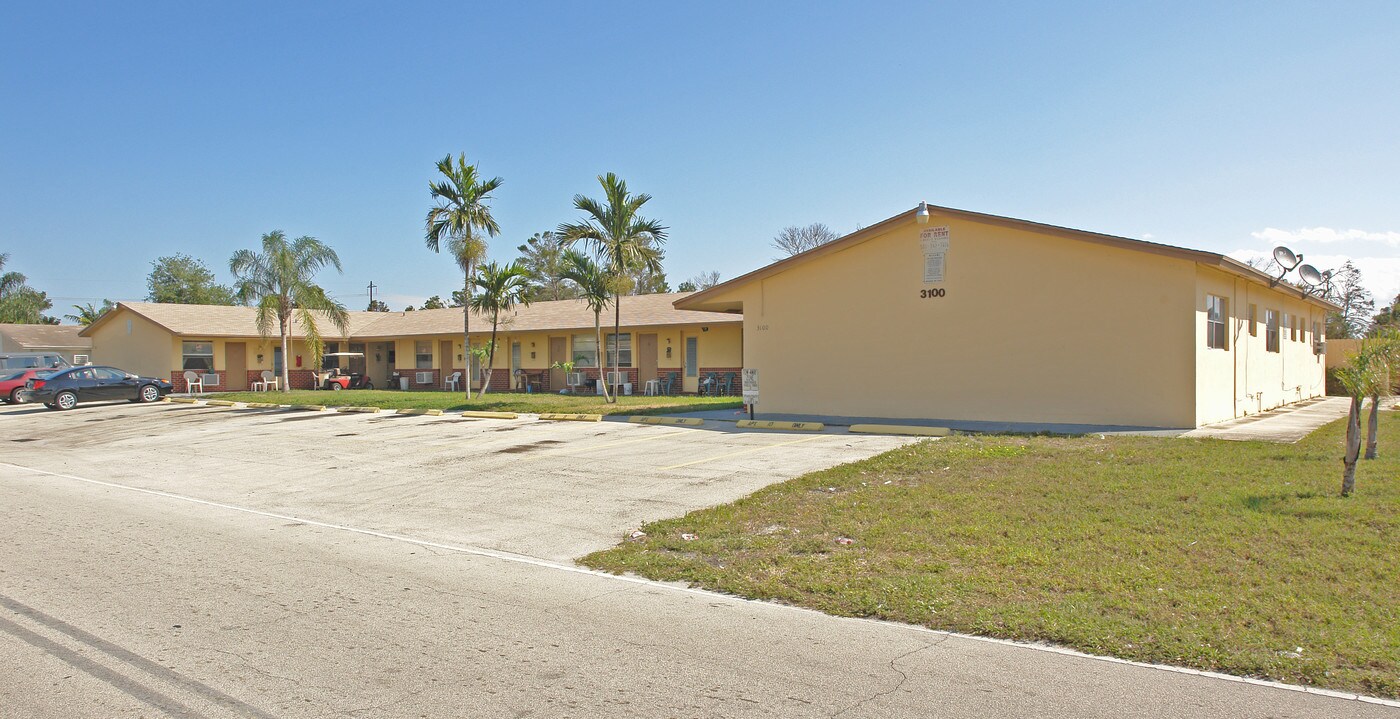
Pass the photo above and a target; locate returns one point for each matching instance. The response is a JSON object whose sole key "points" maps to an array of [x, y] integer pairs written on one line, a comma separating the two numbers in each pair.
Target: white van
{"points": [[32, 360]]}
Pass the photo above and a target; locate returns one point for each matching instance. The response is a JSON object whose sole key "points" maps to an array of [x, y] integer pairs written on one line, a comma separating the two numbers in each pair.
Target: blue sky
{"points": [[130, 131]]}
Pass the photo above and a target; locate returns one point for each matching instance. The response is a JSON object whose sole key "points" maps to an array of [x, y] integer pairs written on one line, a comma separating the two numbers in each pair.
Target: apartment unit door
{"points": [[646, 358], [236, 366], [558, 352]]}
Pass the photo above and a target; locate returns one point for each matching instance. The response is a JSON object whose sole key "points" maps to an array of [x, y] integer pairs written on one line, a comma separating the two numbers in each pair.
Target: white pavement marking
{"points": [[520, 559]]}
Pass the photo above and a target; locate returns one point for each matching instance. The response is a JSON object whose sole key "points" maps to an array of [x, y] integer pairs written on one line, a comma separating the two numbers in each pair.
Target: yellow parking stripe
{"points": [[743, 451]]}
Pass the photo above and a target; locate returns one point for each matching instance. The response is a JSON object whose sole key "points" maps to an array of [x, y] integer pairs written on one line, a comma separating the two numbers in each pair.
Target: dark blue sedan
{"points": [[66, 388]]}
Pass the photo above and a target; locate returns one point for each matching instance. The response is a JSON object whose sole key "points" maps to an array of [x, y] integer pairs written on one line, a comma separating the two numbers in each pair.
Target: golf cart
{"points": [[334, 379]]}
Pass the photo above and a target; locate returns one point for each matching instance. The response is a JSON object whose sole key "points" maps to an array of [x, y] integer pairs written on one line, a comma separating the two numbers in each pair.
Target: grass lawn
{"points": [[1226, 556], [492, 402]]}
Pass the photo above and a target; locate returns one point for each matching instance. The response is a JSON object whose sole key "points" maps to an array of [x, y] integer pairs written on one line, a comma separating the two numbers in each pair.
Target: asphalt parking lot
{"points": [[177, 561], [554, 490]]}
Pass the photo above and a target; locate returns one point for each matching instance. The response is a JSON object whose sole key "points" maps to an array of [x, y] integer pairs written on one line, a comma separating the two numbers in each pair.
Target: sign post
{"points": [[749, 379]]}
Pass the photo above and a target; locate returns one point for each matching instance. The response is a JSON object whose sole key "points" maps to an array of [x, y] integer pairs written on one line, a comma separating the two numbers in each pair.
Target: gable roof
{"points": [[238, 321], [1230, 265], [31, 337]]}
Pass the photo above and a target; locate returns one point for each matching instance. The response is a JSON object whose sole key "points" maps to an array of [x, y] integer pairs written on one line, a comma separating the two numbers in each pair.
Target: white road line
{"points": [[531, 561]]}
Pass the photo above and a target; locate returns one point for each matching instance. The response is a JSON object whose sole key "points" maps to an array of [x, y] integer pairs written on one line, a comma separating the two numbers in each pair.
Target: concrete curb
{"points": [[554, 417], [774, 424], [682, 421], [219, 403], [308, 407], [261, 405], [491, 415], [182, 400], [429, 412], [366, 410], [904, 429]]}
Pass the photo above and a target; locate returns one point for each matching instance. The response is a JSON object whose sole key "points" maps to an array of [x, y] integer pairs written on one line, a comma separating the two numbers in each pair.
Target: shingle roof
{"points": [[233, 321], [46, 336], [637, 311]]}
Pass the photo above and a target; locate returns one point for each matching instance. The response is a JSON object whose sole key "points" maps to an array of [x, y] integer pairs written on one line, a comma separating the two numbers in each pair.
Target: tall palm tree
{"points": [[593, 289], [279, 282], [625, 241], [502, 288], [455, 219]]}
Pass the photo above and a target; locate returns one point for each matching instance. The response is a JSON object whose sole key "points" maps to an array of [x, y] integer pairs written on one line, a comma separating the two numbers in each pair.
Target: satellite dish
{"points": [[1286, 259], [1311, 276]]}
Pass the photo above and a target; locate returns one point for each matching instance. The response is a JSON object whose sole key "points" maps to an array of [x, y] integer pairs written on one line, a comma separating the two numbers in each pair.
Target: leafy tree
{"points": [[625, 241], [542, 258], [648, 281], [1388, 317], [501, 289], [377, 306], [1346, 290], [459, 211], [409, 308], [279, 282], [702, 281], [182, 279], [434, 303], [459, 299], [593, 289], [20, 303], [88, 314], [796, 240]]}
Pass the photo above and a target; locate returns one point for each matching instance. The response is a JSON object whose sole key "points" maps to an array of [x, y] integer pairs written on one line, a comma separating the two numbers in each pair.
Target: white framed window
{"points": [[1270, 330], [197, 355], [585, 350], [623, 349], [1217, 309], [423, 354]]}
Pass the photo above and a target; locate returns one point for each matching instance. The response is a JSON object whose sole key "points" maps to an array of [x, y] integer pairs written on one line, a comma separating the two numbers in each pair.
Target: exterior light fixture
{"points": [[922, 215]]}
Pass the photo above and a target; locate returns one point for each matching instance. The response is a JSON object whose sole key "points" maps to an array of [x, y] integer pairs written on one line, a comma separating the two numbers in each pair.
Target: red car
{"points": [[12, 382]]}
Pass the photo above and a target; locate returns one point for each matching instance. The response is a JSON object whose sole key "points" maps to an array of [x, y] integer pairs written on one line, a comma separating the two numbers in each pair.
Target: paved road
{"points": [[129, 589]]}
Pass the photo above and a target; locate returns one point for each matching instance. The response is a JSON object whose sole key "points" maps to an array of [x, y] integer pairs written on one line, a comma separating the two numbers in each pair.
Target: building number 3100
{"points": [[930, 294]]}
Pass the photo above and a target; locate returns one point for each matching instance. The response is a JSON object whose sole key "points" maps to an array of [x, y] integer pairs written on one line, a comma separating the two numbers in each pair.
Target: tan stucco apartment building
{"points": [[222, 343], [959, 315]]}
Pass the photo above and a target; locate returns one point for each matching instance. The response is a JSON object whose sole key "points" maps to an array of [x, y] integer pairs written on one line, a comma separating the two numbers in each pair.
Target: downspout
{"points": [[1235, 351]]}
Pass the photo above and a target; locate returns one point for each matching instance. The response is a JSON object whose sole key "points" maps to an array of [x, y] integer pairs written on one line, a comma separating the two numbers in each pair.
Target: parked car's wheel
{"points": [[65, 400], [14, 396], [335, 386], [149, 393]]}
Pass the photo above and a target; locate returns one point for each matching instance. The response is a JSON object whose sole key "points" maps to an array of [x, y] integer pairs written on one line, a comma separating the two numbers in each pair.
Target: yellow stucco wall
{"points": [[1245, 378], [1031, 327], [132, 343], [1339, 352]]}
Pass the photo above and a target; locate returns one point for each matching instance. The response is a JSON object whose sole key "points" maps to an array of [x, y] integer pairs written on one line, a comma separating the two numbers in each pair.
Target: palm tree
{"points": [[278, 281], [1364, 375], [1385, 351], [593, 289], [88, 313], [625, 241], [502, 288], [460, 211]]}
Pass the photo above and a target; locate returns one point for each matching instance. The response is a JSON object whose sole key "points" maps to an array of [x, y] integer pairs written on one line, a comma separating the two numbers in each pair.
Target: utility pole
{"points": [[371, 293]]}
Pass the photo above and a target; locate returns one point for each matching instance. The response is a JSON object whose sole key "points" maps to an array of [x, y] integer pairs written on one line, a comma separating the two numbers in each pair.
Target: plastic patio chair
{"points": [[726, 387], [668, 386], [452, 381], [192, 380]]}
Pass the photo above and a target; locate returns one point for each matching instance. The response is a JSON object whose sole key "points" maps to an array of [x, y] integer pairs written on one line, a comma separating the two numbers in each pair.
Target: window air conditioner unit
{"points": [[80, 360], [1319, 347], [423, 377]]}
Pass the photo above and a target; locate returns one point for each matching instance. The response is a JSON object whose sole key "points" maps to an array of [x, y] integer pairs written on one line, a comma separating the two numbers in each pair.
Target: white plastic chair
{"points": [[192, 380], [452, 382], [269, 381]]}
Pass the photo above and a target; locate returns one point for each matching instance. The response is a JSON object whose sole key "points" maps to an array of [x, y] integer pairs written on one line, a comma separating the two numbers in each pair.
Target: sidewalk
{"points": [[1286, 424]]}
